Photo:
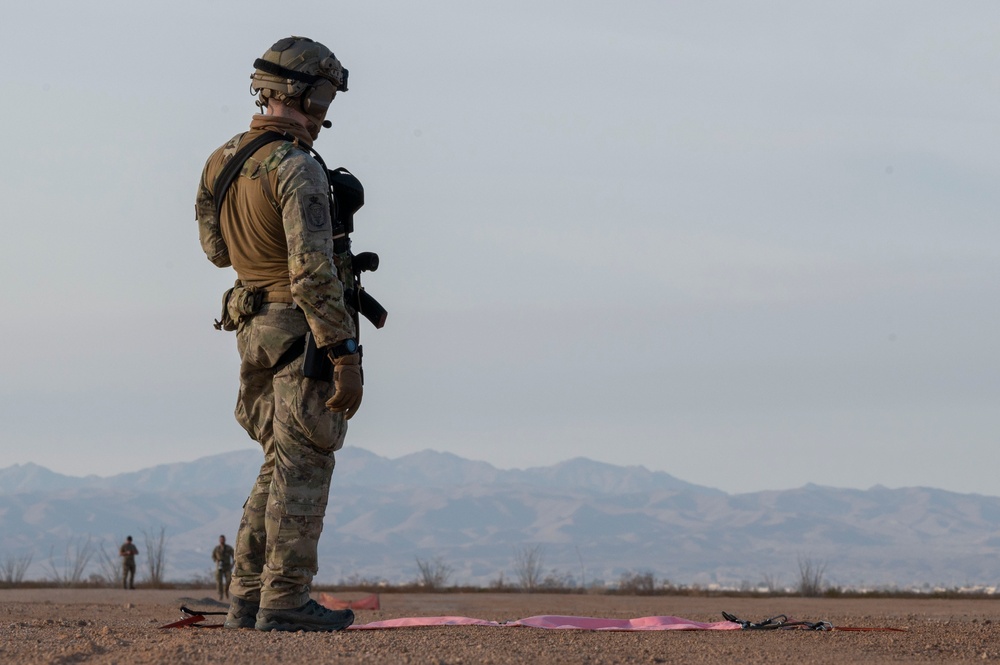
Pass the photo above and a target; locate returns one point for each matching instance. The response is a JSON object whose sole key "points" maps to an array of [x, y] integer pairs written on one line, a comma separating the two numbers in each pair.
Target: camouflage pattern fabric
{"points": [[275, 228], [127, 552], [275, 231], [284, 411], [223, 579], [222, 555]]}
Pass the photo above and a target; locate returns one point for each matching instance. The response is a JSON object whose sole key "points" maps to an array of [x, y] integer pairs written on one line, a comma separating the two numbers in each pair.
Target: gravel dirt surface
{"points": [[111, 626]]}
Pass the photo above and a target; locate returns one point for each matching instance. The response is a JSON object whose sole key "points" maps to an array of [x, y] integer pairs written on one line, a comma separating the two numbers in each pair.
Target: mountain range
{"points": [[588, 521]]}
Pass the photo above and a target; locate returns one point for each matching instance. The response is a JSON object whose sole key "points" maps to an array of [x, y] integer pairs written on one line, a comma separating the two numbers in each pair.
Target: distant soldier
{"points": [[222, 555], [128, 552]]}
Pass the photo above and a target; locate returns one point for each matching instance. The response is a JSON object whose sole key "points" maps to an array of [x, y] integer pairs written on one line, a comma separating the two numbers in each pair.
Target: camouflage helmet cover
{"points": [[297, 66]]}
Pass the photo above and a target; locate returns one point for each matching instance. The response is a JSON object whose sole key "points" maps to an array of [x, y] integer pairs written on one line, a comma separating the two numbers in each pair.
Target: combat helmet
{"points": [[299, 68]]}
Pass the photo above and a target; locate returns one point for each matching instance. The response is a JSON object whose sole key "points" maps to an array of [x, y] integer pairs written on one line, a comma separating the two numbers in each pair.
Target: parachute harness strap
{"points": [[779, 622]]}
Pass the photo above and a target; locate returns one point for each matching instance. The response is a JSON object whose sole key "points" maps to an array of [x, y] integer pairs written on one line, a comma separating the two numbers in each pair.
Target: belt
{"points": [[271, 306], [276, 295]]}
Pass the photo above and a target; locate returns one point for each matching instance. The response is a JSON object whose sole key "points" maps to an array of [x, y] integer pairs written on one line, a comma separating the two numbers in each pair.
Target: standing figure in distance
{"points": [[273, 226], [128, 552], [222, 555]]}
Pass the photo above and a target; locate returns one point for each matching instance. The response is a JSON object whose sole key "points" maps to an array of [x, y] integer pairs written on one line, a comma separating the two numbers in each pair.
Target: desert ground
{"points": [[61, 626]]}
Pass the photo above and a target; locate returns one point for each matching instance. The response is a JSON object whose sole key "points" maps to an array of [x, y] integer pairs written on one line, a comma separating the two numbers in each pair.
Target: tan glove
{"points": [[347, 384]]}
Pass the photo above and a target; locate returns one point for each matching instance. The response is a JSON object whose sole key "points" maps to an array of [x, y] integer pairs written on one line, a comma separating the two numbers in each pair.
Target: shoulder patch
{"points": [[315, 213]]}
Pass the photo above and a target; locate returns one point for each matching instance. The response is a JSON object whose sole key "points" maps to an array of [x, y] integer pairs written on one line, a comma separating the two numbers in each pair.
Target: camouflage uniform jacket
{"points": [[275, 228], [223, 556], [127, 552]]}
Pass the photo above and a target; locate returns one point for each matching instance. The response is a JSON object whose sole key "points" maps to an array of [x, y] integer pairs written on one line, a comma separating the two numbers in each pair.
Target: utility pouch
{"points": [[225, 322], [245, 302], [239, 304], [316, 364]]}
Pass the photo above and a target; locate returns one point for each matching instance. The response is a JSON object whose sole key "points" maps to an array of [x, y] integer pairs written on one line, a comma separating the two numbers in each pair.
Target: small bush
{"points": [[637, 584], [433, 574], [811, 577]]}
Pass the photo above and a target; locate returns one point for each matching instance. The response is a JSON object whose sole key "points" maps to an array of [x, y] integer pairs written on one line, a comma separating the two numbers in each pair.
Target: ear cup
{"points": [[317, 98]]}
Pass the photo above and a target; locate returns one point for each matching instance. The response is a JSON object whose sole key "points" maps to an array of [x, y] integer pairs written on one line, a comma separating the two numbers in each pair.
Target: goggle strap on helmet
{"points": [[277, 70]]}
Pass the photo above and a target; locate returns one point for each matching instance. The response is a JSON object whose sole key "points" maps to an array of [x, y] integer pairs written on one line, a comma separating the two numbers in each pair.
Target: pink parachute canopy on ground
{"points": [[547, 621], [555, 622]]}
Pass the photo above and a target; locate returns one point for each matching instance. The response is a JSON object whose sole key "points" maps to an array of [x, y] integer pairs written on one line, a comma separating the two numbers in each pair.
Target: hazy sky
{"points": [[753, 245]]}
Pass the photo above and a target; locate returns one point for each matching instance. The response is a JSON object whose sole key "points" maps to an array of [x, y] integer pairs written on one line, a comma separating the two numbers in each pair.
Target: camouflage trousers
{"points": [[128, 574], [223, 578], [275, 548]]}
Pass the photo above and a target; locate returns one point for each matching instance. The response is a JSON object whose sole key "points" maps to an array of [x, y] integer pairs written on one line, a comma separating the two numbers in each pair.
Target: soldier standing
{"points": [[273, 226], [128, 552], [222, 555]]}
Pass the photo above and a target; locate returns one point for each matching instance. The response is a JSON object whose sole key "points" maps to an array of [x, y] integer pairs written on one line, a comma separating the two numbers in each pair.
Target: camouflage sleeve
{"points": [[303, 194], [209, 230]]}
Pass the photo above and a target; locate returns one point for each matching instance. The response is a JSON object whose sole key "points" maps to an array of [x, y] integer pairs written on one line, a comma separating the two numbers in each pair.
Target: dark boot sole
{"points": [[292, 627], [247, 622], [289, 622]]}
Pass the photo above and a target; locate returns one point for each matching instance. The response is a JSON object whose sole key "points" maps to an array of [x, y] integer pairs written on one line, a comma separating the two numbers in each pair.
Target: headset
{"points": [[320, 92]]}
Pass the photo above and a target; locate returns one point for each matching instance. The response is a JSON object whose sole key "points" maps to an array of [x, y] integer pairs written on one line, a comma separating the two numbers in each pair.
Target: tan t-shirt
{"points": [[275, 229]]}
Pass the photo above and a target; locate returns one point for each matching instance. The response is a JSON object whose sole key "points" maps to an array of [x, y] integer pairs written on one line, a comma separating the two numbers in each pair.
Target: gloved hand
{"points": [[347, 385]]}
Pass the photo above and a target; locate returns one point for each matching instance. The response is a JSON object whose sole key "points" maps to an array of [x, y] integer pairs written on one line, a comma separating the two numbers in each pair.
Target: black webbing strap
{"points": [[275, 69], [232, 168]]}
